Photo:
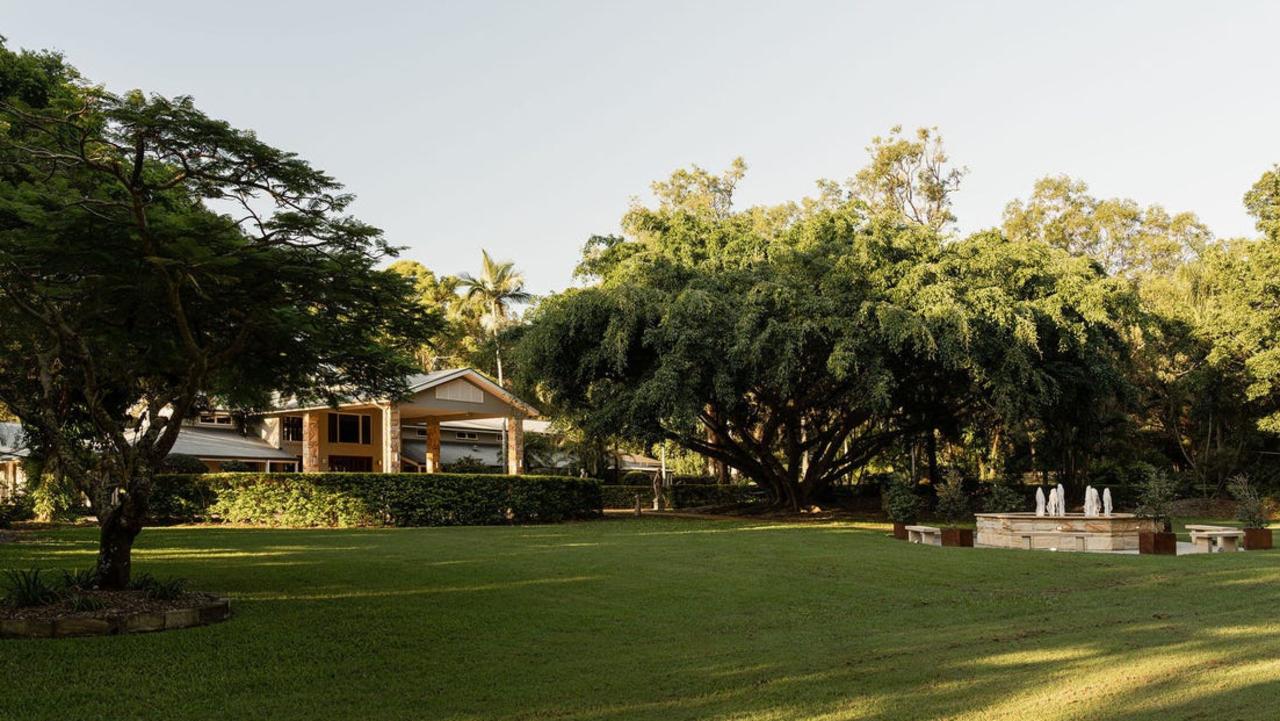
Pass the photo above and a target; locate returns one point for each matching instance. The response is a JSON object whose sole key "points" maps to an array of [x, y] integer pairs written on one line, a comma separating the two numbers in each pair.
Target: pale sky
{"points": [[525, 127]]}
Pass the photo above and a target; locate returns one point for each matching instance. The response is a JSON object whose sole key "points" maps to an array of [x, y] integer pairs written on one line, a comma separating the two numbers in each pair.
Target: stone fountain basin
{"points": [[1070, 532]]}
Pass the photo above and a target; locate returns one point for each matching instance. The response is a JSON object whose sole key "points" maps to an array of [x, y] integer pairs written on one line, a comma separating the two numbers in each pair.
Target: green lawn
{"points": [[663, 619]]}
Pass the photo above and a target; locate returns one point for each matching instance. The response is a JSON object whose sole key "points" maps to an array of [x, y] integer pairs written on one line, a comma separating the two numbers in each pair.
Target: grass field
{"points": [[663, 619]]}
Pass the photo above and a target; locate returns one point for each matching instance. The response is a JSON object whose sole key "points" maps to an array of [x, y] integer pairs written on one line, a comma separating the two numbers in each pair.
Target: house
{"points": [[12, 452], [448, 415], [371, 435]]}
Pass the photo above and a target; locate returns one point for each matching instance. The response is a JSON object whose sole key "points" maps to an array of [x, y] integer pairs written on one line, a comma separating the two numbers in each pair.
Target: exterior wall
{"points": [[318, 449], [12, 479]]}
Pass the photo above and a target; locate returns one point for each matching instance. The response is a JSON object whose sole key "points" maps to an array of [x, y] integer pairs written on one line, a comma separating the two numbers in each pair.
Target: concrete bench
{"points": [[1208, 539], [924, 534]]}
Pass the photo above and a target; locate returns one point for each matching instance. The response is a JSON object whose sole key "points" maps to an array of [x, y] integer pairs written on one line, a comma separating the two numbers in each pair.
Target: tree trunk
{"points": [[931, 443], [115, 548]]}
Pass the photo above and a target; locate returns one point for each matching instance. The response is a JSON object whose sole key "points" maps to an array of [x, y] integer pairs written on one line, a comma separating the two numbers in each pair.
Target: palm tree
{"points": [[499, 287]]}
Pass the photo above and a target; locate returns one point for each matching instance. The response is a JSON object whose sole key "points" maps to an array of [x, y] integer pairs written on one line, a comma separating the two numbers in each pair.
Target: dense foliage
{"points": [[797, 344], [153, 258], [396, 499]]}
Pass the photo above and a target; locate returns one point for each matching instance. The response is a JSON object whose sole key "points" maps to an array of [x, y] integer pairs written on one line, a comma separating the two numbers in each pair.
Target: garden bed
{"points": [[128, 611]]}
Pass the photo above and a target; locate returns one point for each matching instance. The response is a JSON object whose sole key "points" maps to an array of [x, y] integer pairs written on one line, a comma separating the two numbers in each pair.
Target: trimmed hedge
{"points": [[378, 499], [692, 496], [625, 496]]}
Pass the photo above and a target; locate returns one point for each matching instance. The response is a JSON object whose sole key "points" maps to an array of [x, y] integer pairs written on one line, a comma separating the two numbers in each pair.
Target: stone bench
{"points": [[1208, 539], [924, 534]]}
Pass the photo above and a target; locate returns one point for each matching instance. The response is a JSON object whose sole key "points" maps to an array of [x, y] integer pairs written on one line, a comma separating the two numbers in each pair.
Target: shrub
{"points": [[176, 498], [637, 478], [1249, 508], [27, 588], [399, 499], [468, 464], [81, 602], [614, 496], [692, 496], [1004, 498], [235, 467], [21, 508], [159, 590], [82, 580], [898, 496], [1157, 492], [182, 463], [953, 502]]}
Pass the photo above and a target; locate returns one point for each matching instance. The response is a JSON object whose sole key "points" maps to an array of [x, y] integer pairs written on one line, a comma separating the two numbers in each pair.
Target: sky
{"points": [[525, 127]]}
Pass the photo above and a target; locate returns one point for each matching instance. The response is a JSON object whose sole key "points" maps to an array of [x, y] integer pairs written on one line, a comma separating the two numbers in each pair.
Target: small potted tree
{"points": [[1155, 502], [953, 507], [901, 504], [1250, 513]]}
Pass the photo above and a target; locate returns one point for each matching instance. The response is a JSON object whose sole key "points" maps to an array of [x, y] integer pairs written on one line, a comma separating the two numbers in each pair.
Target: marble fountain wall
{"points": [[1064, 532]]}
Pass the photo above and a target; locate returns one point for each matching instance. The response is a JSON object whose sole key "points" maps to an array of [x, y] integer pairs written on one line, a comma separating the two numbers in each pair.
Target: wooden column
{"points": [[391, 438], [433, 446], [515, 444], [311, 441]]}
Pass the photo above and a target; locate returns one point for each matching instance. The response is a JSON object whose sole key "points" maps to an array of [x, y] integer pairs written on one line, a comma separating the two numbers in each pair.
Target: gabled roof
{"points": [[12, 442], [425, 381], [420, 382]]}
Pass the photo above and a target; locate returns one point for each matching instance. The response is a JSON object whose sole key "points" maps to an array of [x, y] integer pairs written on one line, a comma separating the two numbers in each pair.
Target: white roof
{"points": [[228, 443]]}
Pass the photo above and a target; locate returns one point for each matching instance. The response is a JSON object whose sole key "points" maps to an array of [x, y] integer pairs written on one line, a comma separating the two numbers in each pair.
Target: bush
{"points": [[953, 502], [1004, 498], [693, 496], [27, 588], [468, 464], [1156, 494], [182, 463], [625, 496], [1249, 509], [396, 499], [235, 467], [17, 509], [899, 499], [637, 478], [180, 498]]}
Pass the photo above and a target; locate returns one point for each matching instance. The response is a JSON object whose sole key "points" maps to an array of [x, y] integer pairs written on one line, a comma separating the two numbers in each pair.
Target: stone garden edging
{"points": [[140, 622]]}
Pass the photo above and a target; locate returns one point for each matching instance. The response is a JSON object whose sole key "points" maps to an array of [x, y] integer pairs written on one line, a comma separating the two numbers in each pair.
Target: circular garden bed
{"points": [[117, 612]]}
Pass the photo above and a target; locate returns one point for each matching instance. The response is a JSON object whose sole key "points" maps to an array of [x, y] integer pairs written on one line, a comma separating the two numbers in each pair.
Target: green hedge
{"points": [[692, 496], [625, 496], [374, 499]]}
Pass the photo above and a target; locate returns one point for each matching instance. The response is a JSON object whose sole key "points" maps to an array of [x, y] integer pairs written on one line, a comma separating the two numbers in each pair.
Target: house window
{"points": [[350, 428], [468, 436], [291, 428], [215, 419]]}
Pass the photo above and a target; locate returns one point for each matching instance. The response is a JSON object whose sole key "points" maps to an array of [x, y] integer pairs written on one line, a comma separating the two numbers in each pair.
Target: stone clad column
{"points": [[311, 442], [391, 438], [433, 445], [515, 443]]}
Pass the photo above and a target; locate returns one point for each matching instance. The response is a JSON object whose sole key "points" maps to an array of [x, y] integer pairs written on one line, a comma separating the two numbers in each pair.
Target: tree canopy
{"points": [[152, 256], [797, 343]]}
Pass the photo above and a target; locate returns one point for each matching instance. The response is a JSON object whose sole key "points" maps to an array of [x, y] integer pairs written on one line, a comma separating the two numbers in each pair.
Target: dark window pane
{"points": [[333, 427], [366, 429]]}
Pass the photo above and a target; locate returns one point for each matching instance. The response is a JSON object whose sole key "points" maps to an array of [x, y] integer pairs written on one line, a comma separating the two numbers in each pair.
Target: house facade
{"points": [[12, 453], [448, 416]]}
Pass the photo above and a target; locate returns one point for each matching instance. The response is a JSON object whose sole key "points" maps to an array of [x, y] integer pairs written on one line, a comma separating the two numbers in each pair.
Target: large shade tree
{"points": [[796, 343], [151, 256]]}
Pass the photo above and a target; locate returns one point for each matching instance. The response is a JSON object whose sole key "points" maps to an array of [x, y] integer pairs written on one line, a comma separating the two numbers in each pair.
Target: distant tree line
{"points": [[806, 344]]}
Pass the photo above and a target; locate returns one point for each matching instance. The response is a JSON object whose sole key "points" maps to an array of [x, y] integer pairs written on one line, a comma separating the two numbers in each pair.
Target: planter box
{"points": [[1257, 539], [900, 531], [957, 537], [1163, 544]]}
